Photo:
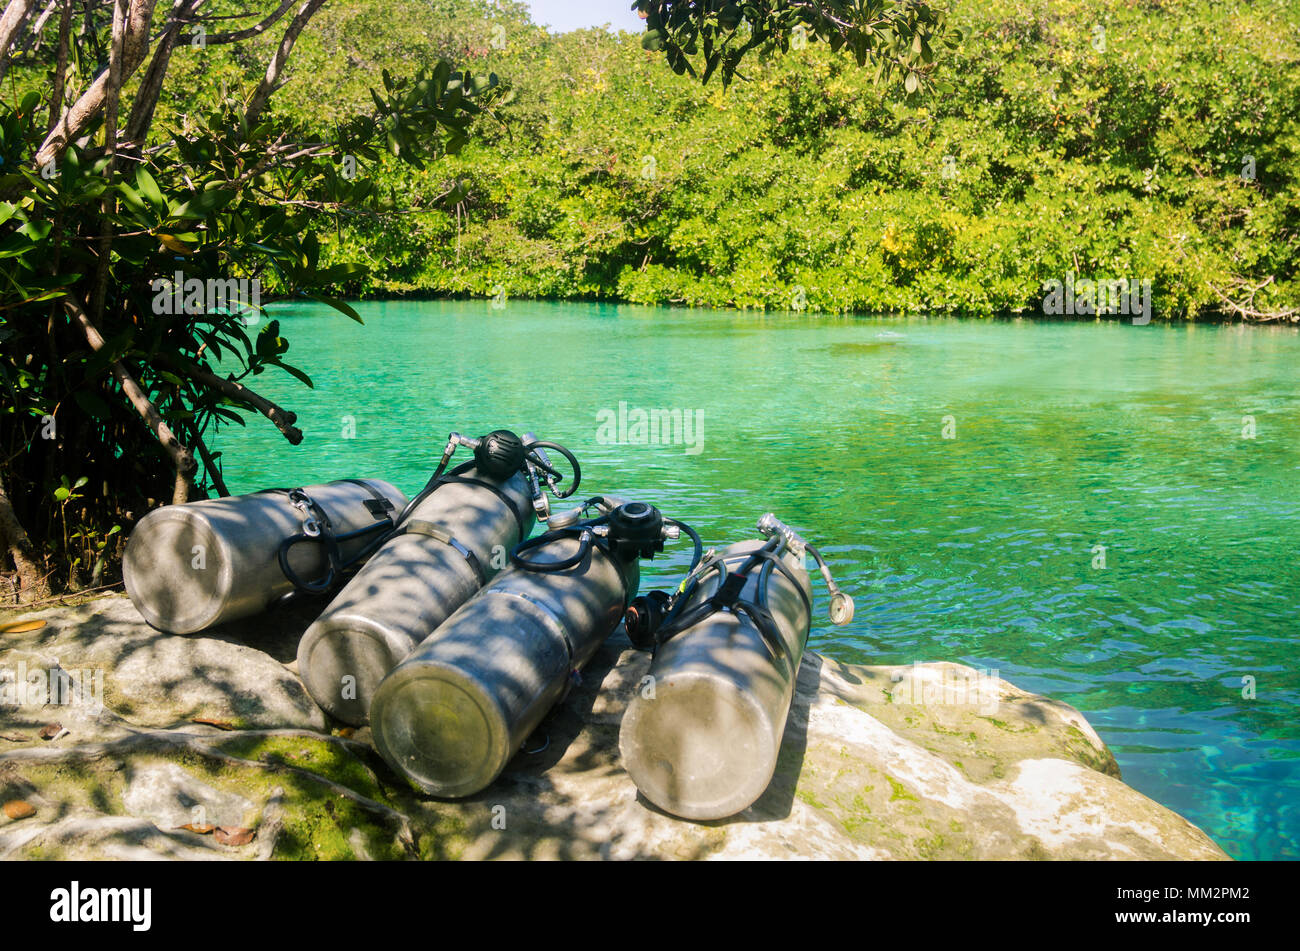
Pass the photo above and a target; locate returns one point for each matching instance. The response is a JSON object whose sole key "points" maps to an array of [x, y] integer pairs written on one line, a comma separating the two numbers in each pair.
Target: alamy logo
{"points": [[1085, 296], [74, 904], [40, 686], [653, 427], [181, 295], [930, 686]]}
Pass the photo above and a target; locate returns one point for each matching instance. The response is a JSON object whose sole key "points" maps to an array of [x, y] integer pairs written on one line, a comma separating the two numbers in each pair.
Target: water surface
{"points": [[984, 548]]}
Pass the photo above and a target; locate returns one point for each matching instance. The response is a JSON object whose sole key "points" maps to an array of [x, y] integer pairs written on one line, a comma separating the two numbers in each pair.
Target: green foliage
{"points": [[895, 38], [1113, 154], [212, 202]]}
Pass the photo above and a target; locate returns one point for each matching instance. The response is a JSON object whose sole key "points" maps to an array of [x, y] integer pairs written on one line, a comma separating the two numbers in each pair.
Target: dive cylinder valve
{"points": [[841, 608], [449, 541], [728, 644], [452, 714]]}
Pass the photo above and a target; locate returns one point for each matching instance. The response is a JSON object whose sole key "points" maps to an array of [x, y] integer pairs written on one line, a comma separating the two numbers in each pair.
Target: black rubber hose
{"points": [[695, 537], [336, 566], [422, 494], [577, 469], [583, 535]]}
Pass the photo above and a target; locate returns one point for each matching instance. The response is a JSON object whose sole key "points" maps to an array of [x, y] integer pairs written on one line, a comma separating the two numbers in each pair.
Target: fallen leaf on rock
{"points": [[21, 627], [233, 835], [198, 829], [219, 724], [13, 737], [346, 732], [17, 809], [51, 730]]}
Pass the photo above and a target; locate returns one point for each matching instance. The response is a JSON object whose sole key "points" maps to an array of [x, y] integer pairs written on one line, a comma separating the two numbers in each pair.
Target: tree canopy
{"points": [[151, 193]]}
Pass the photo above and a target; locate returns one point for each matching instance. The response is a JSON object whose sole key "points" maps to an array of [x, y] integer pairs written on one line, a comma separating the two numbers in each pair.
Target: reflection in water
{"points": [[1072, 504]]}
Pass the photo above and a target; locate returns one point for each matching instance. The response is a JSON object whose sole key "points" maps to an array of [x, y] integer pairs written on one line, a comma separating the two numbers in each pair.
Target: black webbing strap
{"points": [[727, 598], [379, 505], [457, 475]]}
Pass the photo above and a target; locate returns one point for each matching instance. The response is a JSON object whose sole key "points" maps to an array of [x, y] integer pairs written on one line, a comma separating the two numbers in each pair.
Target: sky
{"points": [[563, 15]]}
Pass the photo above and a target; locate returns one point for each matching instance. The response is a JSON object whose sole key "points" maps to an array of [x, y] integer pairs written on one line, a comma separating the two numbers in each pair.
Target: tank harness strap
{"points": [[457, 475], [727, 598], [379, 505], [437, 532], [548, 619], [317, 527]]}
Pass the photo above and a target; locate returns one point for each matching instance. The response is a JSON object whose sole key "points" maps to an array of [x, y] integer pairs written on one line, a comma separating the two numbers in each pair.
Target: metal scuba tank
{"points": [[700, 739], [453, 713], [449, 541], [188, 567]]}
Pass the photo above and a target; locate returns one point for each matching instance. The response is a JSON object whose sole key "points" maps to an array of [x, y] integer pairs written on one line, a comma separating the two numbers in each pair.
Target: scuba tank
{"points": [[453, 713], [700, 739], [448, 542], [188, 567]]}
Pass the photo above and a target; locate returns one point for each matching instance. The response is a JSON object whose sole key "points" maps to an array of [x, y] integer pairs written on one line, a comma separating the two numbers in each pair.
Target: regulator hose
{"points": [[336, 566], [532, 457], [545, 467], [581, 531]]}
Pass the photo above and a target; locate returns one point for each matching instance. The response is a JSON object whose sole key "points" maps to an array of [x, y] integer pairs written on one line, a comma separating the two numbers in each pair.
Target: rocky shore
{"points": [[155, 746]]}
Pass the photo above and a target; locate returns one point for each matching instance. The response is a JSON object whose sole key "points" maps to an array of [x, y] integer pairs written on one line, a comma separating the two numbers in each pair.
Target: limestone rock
{"points": [[928, 761], [147, 678]]}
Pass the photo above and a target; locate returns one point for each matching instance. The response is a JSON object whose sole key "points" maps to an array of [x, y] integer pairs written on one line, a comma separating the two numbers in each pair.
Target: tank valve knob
{"points": [[636, 530], [644, 617]]}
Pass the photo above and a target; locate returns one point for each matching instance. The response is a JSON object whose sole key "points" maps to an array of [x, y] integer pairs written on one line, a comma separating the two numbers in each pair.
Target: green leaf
{"points": [[131, 197], [341, 306], [205, 203], [93, 404], [294, 371], [149, 189], [340, 272], [37, 230]]}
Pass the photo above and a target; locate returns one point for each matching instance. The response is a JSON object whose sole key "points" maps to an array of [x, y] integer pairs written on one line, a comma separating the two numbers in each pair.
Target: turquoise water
{"points": [[981, 548]]}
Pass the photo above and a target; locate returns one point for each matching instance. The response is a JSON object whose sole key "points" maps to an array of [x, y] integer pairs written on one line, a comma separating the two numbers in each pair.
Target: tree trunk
{"points": [[32, 586], [11, 21]]}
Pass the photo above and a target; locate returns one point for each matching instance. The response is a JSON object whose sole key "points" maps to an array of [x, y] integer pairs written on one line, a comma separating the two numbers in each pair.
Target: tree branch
{"points": [[10, 23], [209, 464], [79, 115], [100, 287], [151, 84], [181, 456], [61, 70], [21, 44], [282, 418], [14, 540], [1247, 310], [218, 38], [276, 66]]}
